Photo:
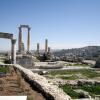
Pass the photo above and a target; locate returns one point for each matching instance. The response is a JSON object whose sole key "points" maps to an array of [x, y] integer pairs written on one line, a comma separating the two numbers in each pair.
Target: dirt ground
{"points": [[16, 86]]}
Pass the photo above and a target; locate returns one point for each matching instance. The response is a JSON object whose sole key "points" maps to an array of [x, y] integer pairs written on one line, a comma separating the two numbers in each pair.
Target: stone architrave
{"points": [[6, 35]]}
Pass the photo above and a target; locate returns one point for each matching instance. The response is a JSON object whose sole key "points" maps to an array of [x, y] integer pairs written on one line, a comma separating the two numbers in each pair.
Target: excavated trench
{"points": [[12, 84]]}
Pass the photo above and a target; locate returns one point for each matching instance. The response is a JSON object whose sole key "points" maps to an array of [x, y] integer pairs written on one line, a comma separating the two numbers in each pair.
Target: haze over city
{"points": [[65, 23]]}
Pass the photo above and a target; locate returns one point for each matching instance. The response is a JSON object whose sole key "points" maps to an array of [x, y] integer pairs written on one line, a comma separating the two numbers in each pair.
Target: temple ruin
{"points": [[21, 48], [13, 45]]}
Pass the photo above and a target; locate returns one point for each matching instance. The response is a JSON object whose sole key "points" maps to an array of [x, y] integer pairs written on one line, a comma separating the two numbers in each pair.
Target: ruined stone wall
{"points": [[50, 91], [88, 82], [25, 61]]}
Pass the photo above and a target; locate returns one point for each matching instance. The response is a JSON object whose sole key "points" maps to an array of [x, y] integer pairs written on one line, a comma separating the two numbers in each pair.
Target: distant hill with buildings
{"points": [[88, 52]]}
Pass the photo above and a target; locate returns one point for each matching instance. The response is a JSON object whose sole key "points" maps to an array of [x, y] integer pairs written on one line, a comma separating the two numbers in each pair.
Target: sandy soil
{"points": [[15, 86]]}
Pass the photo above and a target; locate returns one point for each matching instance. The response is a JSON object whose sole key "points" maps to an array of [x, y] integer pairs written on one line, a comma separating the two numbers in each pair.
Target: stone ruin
{"points": [[21, 48], [50, 91], [13, 45], [25, 57]]}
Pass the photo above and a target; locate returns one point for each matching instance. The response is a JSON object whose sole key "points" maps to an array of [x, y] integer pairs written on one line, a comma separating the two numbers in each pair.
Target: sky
{"points": [[65, 23]]}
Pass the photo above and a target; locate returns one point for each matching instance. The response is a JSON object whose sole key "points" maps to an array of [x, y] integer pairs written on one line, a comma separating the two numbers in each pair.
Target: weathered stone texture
{"points": [[6, 35], [40, 82]]}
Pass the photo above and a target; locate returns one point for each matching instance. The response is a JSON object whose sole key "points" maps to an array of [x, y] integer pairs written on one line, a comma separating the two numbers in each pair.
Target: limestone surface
{"points": [[43, 84]]}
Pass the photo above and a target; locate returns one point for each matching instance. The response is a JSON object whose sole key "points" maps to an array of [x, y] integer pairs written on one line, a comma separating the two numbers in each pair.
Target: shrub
{"points": [[97, 65]]}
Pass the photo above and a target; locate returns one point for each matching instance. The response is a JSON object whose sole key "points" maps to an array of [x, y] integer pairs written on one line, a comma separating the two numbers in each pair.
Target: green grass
{"points": [[86, 72], [76, 64], [60, 72], [68, 89], [4, 69], [68, 77], [83, 65], [92, 89], [91, 73]]}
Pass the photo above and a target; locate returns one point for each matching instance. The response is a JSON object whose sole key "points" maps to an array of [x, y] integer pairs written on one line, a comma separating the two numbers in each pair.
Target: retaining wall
{"points": [[50, 91]]}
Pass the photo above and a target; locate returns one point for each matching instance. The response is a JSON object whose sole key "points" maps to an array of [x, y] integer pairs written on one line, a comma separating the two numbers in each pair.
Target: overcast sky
{"points": [[65, 23]]}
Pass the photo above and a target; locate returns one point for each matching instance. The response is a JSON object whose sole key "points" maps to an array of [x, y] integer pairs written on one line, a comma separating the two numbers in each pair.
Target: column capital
{"points": [[19, 27], [20, 30], [29, 28], [13, 41]]}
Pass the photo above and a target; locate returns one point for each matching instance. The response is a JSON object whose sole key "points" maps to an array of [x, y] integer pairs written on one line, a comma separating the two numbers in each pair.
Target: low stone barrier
{"points": [[89, 82], [50, 91]]}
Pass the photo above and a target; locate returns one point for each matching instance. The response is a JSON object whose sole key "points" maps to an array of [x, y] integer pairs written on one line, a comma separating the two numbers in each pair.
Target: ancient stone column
{"points": [[38, 47], [13, 51], [20, 39], [28, 40], [46, 45], [48, 49]]}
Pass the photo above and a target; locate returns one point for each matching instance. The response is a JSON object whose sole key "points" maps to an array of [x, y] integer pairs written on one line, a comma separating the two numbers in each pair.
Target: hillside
{"points": [[88, 52]]}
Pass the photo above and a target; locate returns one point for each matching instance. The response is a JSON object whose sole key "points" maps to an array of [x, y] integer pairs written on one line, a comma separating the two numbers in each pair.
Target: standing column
{"points": [[28, 40], [48, 49], [13, 51], [20, 39], [38, 47], [46, 45]]}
